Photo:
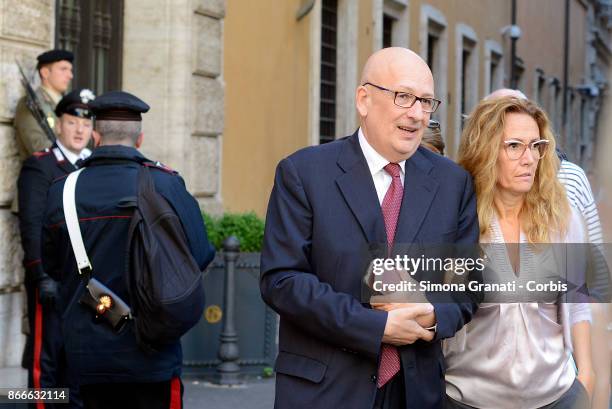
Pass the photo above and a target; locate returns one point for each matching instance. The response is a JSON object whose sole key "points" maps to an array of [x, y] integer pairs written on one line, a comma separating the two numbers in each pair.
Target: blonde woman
{"points": [[518, 355]]}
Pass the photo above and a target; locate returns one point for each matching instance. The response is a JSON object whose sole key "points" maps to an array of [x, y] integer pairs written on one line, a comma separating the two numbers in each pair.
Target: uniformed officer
{"points": [[43, 353], [113, 371], [55, 71]]}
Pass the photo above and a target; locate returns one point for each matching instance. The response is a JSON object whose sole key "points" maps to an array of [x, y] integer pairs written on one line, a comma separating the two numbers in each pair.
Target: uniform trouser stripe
{"points": [[38, 327], [175, 393]]}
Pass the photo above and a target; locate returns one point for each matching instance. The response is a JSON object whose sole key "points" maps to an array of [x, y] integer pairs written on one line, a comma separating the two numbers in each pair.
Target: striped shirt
{"points": [[580, 196]]}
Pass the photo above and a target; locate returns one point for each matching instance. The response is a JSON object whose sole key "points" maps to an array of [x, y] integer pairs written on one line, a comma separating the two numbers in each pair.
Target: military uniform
{"points": [[43, 351], [30, 136], [43, 355], [112, 369]]}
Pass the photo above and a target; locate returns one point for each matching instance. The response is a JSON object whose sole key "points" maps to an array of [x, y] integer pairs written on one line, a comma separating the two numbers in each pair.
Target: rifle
{"points": [[35, 107]]}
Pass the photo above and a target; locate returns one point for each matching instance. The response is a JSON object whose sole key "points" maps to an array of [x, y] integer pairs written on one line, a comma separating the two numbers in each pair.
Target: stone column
{"points": [[172, 55], [26, 30]]}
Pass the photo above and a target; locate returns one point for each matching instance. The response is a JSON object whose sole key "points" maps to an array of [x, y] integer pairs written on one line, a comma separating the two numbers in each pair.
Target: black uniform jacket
{"points": [[37, 174], [95, 353]]}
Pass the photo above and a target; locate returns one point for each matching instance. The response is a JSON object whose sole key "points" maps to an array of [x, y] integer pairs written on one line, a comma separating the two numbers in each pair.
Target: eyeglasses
{"points": [[407, 100], [434, 125], [516, 149]]}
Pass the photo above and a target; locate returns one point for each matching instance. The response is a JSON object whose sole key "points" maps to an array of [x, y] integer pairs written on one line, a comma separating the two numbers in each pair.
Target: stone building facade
{"points": [[236, 85], [171, 57], [304, 59]]}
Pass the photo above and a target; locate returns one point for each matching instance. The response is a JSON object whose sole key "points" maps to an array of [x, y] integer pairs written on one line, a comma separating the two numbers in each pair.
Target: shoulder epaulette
{"points": [[42, 153], [58, 155], [160, 166]]}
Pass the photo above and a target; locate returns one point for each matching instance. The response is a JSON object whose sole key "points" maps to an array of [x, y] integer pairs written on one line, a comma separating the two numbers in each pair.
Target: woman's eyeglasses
{"points": [[516, 149]]}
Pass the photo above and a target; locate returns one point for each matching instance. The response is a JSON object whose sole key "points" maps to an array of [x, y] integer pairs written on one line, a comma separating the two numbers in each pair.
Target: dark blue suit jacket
{"points": [[322, 218]]}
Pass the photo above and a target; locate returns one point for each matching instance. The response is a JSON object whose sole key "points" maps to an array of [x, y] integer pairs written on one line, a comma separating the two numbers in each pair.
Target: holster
{"points": [[106, 304]]}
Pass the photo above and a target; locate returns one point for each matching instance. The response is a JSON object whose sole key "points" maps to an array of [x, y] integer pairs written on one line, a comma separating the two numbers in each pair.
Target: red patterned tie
{"points": [[390, 359]]}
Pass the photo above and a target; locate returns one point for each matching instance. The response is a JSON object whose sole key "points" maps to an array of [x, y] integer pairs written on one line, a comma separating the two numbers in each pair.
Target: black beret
{"points": [[52, 56], [118, 106], [76, 103]]}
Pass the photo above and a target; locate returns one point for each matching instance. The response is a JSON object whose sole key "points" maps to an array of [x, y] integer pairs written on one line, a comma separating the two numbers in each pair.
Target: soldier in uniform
{"points": [[113, 371], [55, 71], [43, 355]]}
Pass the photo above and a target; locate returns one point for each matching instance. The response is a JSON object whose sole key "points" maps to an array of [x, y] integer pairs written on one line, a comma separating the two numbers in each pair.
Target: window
{"points": [[554, 110], [572, 136], [434, 51], [583, 137], [432, 48], [395, 21], [92, 30], [493, 69], [465, 60], [494, 66], [327, 105], [388, 22], [433, 35], [468, 77], [519, 71], [540, 87]]}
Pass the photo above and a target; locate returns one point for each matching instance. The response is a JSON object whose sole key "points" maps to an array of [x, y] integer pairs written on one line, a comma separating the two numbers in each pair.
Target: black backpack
{"points": [[164, 280]]}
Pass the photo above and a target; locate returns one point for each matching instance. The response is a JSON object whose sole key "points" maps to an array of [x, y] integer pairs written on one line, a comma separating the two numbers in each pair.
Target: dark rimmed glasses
{"points": [[406, 100], [516, 149]]}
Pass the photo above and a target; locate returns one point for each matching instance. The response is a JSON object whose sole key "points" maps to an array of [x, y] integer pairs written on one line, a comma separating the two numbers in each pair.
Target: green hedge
{"points": [[248, 227]]}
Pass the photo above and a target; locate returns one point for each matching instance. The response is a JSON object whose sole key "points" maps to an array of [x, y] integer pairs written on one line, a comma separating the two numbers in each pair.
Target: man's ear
{"points": [[362, 100], [44, 72], [139, 140], [96, 138]]}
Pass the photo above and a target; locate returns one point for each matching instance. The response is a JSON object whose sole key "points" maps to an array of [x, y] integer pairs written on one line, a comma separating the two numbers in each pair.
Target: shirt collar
{"points": [[55, 96], [114, 153], [376, 162], [71, 156]]}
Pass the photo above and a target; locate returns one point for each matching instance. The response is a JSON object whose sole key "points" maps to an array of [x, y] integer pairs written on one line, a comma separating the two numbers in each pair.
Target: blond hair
{"points": [[546, 209]]}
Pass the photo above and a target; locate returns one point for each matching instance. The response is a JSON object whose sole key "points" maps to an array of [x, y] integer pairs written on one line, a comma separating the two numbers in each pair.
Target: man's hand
{"points": [[47, 292], [425, 321], [402, 327]]}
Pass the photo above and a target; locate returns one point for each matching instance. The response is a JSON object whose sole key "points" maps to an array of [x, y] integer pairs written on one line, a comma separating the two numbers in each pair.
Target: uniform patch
{"points": [[161, 166], [58, 155], [40, 154]]}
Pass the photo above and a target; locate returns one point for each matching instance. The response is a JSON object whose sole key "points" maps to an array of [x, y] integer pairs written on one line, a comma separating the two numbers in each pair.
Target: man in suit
{"points": [[330, 204], [43, 351]]}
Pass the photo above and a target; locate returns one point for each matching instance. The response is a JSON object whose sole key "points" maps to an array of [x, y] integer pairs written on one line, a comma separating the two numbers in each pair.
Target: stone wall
{"points": [[172, 58], [26, 29], [178, 71]]}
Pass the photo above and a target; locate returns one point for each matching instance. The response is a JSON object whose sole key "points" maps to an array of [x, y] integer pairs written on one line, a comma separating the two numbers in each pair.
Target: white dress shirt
{"points": [[71, 156], [376, 163]]}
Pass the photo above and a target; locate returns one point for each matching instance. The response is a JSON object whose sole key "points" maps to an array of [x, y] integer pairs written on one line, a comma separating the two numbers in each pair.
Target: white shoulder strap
{"points": [[72, 222]]}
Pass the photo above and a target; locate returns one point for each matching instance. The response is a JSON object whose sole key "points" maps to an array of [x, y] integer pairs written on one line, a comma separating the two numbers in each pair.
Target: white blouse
{"points": [[515, 355]]}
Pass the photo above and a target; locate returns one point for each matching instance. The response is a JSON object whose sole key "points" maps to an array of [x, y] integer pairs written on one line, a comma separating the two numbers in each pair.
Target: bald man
{"points": [[331, 205]]}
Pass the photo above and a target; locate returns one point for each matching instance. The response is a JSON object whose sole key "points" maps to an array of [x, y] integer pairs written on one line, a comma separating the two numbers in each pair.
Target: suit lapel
{"points": [[419, 191], [358, 190]]}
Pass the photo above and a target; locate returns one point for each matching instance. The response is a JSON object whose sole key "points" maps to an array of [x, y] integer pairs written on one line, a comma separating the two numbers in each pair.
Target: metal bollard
{"points": [[228, 371]]}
